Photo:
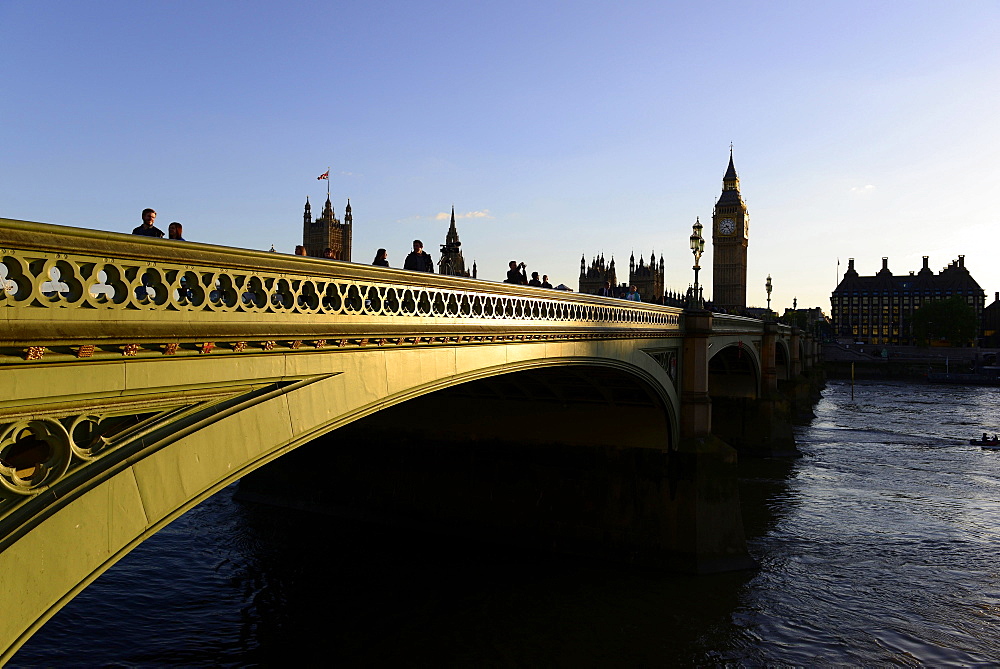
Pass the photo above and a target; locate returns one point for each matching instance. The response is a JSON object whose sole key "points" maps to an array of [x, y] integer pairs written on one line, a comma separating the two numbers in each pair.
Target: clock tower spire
{"points": [[730, 237]]}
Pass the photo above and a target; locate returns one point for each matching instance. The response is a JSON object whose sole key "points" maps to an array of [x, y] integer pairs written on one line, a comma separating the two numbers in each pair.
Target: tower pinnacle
{"points": [[731, 173], [451, 261]]}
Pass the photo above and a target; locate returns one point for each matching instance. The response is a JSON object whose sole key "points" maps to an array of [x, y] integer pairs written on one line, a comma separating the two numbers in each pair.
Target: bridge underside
{"points": [[575, 405], [574, 459]]}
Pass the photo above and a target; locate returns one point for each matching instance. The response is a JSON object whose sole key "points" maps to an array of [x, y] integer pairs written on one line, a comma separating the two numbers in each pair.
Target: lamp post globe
{"points": [[767, 287], [697, 243]]}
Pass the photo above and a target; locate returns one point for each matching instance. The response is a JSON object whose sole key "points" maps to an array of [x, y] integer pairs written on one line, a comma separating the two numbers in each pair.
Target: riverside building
{"points": [[879, 309]]}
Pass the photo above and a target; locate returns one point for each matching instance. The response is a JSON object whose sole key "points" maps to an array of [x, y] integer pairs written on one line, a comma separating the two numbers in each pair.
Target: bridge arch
{"points": [[191, 449], [734, 369], [782, 361]]}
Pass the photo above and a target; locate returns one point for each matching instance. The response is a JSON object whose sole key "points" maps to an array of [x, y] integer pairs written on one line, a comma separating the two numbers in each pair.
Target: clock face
{"points": [[727, 226]]}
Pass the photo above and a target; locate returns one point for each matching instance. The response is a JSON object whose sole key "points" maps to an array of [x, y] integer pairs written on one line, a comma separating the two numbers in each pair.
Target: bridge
{"points": [[140, 376]]}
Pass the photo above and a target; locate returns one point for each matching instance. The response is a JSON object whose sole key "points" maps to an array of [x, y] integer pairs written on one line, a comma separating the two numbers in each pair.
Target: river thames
{"points": [[879, 546]]}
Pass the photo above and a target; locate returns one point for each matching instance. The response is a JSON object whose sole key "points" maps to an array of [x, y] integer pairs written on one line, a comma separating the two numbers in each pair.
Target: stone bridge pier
{"points": [[756, 421]]}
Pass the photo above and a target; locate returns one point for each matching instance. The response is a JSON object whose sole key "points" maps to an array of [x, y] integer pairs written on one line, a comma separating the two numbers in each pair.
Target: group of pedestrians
{"points": [[147, 229], [630, 294], [517, 275], [419, 260]]}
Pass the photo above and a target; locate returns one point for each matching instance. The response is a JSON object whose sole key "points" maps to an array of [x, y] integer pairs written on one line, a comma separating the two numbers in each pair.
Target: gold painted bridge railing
{"points": [[73, 294]]}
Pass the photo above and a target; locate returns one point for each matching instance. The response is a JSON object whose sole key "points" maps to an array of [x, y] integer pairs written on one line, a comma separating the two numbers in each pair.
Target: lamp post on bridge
{"points": [[767, 287], [697, 248]]}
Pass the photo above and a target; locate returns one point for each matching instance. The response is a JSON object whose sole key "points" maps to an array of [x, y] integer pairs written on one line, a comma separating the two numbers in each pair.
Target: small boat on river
{"points": [[991, 444]]}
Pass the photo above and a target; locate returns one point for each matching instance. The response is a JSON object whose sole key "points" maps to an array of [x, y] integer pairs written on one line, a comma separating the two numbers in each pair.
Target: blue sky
{"points": [[556, 129]]}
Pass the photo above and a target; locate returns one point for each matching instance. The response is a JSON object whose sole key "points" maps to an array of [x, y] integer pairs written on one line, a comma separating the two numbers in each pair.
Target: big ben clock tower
{"points": [[730, 233]]}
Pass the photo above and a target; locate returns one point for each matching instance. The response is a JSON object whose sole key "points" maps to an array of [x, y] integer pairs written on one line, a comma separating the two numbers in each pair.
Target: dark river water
{"points": [[880, 546]]}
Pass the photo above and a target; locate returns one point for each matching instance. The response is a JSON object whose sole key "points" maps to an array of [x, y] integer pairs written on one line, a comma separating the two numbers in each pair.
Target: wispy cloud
{"points": [[446, 215], [863, 189]]}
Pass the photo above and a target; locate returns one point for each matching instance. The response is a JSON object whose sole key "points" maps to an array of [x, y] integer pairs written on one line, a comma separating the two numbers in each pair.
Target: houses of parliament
{"points": [[730, 238], [327, 231]]}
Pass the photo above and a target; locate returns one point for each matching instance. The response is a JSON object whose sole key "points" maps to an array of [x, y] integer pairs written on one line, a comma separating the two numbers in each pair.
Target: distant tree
{"points": [[952, 320], [797, 318]]}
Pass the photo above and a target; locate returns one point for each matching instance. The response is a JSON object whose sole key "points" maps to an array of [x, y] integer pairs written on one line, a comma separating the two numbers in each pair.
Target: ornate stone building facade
{"points": [[327, 232], [647, 279], [592, 278], [879, 309], [451, 262], [730, 238]]}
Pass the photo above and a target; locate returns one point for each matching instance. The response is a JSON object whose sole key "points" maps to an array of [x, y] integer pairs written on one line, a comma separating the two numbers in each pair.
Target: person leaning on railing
{"points": [[418, 260], [147, 229]]}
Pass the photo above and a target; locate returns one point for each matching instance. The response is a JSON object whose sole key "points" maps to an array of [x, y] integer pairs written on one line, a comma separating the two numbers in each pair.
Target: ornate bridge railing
{"points": [[75, 293]]}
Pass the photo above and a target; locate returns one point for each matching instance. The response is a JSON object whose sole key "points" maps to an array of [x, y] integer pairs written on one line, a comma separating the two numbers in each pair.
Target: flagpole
{"points": [[328, 183]]}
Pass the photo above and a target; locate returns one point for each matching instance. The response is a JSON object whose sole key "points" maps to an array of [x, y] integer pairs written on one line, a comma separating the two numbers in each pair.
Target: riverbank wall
{"points": [[901, 362]]}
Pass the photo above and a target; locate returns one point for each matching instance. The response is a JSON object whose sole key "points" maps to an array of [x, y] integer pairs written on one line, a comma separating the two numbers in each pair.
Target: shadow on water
{"points": [[236, 584], [369, 595]]}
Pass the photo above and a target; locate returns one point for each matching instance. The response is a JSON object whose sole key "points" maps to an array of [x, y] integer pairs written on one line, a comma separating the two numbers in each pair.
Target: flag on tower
{"points": [[325, 175]]}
